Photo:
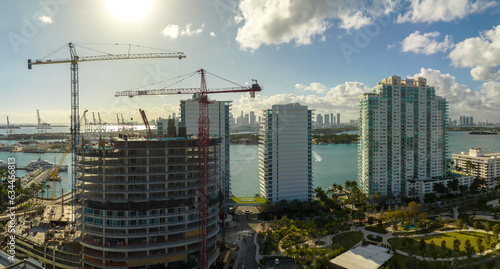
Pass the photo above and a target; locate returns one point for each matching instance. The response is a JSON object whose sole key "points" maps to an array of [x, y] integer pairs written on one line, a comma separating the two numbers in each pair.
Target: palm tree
{"points": [[43, 192], [48, 188], [469, 165]]}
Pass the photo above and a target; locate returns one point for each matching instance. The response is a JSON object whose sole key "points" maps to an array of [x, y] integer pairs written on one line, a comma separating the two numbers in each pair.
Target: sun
{"points": [[129, 10]]}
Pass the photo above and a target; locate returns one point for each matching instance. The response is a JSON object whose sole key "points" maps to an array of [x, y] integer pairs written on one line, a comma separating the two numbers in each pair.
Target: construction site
{"points": [[139, 199]]}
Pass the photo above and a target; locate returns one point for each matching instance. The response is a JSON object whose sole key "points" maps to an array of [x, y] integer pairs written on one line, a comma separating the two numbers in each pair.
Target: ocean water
{"points": [[339, 162]]}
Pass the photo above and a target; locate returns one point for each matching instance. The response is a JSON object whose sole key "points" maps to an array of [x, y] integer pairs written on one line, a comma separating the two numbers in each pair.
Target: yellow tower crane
{"points": [[54, 176]]}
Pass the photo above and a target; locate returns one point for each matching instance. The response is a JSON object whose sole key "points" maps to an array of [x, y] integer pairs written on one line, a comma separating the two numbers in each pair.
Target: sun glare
{"points": [[129, 10]]}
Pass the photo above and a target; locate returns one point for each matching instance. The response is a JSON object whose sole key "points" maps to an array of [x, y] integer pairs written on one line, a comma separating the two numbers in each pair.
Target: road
{"points": [[251, 263]]}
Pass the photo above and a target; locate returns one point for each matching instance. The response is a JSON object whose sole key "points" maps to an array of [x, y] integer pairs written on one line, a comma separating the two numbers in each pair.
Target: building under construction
{"points": [[138, 201]]}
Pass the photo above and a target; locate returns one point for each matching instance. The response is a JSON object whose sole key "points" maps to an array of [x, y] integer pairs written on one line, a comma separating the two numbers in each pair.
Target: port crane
{"points": [[42, 126], [10, 129], [75, 91], [203, 144]]}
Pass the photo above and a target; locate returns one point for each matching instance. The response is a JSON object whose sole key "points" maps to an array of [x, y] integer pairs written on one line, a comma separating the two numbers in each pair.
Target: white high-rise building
{"points": [[219, 115], [403, 140], [285, 153]]}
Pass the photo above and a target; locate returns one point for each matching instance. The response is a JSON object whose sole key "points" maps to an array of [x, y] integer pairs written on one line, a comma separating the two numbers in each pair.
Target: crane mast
{"points": [[203, 150], [75, 93]]}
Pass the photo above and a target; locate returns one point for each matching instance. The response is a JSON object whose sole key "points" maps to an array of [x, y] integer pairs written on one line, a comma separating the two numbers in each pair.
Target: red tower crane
{"points": [[145, 120], [203, 144]]}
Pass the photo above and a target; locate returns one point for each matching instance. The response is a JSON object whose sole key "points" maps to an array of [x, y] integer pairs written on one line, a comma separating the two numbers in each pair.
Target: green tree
{"points": [[432, 246], [475, 224], [456, 245], [495, 230], [443, 246], [460, 224], [487, 227], [488, 239], [469, 249], [422, 245], [479, 244]]}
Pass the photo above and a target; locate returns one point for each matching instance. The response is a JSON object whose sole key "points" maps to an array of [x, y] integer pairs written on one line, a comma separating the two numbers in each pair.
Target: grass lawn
{"points": [[349, 239], [376, 229], [413, 246], [249, 200]]}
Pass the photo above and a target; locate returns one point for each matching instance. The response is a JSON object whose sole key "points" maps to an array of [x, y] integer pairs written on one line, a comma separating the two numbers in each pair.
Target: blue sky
{"points": [[322, 53]]}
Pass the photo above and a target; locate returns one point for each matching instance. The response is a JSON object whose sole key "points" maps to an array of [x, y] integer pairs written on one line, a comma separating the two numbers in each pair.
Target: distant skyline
{"points": [[323, 54]]}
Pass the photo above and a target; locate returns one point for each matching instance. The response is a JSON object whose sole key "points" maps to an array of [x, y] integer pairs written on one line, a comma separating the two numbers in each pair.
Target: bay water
{"points": [[339, 162]]}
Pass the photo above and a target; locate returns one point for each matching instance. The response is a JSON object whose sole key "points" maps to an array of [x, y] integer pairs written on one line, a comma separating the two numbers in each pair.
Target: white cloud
{"points": [[315, 87], [483, 104], [173, 31], [188, 32], [212, 34], [273, 22], [354, 20], [426, 43], [323, 39], [393, 45], [238, 19], [343, 98], [443, 10], [45, 19], [481, 54]]}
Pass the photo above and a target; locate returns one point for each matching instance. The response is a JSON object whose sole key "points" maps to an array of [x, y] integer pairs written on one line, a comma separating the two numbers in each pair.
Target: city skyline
{"points": [[333, 51]]}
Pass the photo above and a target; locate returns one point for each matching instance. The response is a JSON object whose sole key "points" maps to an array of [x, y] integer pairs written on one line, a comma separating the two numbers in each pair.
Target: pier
{"points": [[38, 176]]}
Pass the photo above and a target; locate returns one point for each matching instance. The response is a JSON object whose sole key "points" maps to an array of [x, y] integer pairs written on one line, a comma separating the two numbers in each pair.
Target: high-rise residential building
{"points": [[219, 113], [332, 119], [285, 153], [338, 119], [479, 164], [138, 202], [403, 140], [319, 119], [252, 118], [327, 119]]}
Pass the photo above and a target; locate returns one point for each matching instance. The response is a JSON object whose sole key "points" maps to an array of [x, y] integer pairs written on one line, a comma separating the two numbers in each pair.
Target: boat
{"points": [[482, 133], [3, 164], [40, 163], [33, 148], [29, 141]]}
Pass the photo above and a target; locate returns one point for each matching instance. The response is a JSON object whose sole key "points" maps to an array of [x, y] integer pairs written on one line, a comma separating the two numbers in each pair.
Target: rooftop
{"points": [[363, 257]]}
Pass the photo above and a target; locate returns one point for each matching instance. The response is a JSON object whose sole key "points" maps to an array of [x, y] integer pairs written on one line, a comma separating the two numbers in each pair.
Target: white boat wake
{"points": [[317, 157]]}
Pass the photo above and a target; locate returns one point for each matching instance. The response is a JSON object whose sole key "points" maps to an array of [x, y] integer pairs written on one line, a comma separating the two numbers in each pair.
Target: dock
{"points": [[38, 176]]}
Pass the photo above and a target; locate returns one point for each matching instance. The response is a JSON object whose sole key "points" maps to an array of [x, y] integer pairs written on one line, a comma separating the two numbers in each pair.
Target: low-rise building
{"points": [[476, 163]]}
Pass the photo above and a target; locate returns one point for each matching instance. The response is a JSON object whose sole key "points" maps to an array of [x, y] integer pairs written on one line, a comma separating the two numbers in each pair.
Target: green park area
{"points": [[446, 245], [248, 200]]}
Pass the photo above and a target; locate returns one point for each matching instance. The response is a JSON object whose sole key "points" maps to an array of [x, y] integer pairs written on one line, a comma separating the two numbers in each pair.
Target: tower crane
{"points": [[203, 144], [75, 100], [58, 167], [145, 120]]}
